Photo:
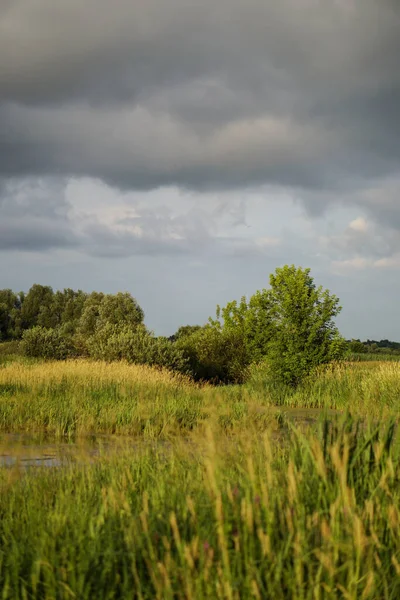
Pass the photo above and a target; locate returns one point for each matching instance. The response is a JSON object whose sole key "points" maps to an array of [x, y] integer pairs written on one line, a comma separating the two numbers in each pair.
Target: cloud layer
{"points": [[201, 95], [229, 134]]}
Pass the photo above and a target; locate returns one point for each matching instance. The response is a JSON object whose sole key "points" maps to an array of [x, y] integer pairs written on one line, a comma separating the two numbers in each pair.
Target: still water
{"points": [[35, 450]]}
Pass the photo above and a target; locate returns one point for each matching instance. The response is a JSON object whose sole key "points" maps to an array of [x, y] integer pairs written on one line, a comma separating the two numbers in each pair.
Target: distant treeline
{"points": [[374, 347], [69, 311], [289, 326]]}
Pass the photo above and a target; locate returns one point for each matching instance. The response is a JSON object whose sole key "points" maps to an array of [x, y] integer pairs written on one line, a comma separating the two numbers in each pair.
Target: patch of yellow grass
{"points": [[88, 372]]}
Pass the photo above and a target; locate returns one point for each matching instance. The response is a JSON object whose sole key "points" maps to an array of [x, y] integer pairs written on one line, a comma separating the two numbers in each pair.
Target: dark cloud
{"points": [[292, 100], [33, 216], [204, 95]]}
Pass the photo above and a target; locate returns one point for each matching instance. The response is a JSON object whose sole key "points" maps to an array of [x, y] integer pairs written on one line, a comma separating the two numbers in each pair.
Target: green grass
{"points": [[235, 492], [375, 356], [80, 398], [317, 517]]}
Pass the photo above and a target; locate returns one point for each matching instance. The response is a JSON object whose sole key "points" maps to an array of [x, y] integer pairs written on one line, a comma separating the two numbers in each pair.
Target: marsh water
{"points": [[37, 450], [32, 450]]}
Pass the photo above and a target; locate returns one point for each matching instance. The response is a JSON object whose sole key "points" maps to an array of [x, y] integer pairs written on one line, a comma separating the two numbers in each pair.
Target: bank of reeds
{"points": [[83, 397], [317, 517]]}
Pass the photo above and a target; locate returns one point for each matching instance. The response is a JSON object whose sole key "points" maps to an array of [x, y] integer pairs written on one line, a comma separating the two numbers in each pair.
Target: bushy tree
{"points": [[40, 342], [357, 347], [37, 300], [251, 320], [304, 332], [103, 309], [90, 314], [64, 310], [9, 305]]}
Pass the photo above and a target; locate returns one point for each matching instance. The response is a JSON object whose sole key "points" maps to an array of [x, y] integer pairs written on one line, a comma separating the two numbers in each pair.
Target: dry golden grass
{"points": [[88, 372], [80, 397]]}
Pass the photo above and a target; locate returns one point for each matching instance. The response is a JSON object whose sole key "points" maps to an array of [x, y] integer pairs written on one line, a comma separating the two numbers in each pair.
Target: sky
{"points": [[181, 150]]}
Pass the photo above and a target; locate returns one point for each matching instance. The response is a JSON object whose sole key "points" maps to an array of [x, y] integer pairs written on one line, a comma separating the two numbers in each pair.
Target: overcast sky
{"points": [[181, 150]]}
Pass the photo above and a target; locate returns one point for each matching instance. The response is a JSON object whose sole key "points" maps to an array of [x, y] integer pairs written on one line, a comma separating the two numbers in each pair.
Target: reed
{"points": [[316, 517], [82, 397]]}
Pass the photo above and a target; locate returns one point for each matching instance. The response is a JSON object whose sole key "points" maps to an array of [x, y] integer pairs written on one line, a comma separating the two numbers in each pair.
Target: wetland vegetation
{"points": [[159, 483]]}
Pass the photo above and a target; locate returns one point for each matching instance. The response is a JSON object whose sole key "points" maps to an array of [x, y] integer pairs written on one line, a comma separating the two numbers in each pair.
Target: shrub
{"points": [[40, 342], [136, 345], [216, 355]]}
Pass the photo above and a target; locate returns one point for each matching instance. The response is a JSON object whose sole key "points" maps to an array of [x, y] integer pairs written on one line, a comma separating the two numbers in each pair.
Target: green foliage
{"points": [[135, 345], [37, 300], [251, 320], [10, 304], [103, 309], [241, 519], [290, 325], [184, 331], [63, 311], [217, 355], [305, 335], [10, 348], [357, 347], [384, 348], [40, 342]]}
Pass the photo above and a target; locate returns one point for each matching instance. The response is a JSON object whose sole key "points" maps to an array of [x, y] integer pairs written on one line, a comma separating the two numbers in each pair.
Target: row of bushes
{"points": [[290, 325], [205, 355]]}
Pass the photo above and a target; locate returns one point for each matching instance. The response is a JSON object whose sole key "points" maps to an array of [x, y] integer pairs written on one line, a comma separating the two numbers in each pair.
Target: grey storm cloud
{"points": [[37, 215], [33, 216], [201, 95]]}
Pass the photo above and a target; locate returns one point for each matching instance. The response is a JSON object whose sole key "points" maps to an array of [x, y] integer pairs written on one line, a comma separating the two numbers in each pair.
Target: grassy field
{"points": [[229, 493], [83, 397], [316, 517]]}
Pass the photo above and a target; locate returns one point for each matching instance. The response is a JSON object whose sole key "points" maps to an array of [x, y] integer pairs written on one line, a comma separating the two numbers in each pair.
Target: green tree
{"points": [[64, 310], [90, 314], [9, 304], [251, 320], [136, 345], [305, 334], [108, 309], [120, 309], [37, 300], [184, 331], [41, 342], [357, 347]]}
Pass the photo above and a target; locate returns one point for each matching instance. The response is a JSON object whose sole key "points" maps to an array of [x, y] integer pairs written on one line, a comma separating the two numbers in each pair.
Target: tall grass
{"points": [[366, 388], [239, 503], [83, 397], [317, 517]]}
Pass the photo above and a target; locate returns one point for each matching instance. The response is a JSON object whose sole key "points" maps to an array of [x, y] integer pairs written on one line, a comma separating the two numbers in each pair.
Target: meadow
{"points": [[230, 492], [83, 397]]}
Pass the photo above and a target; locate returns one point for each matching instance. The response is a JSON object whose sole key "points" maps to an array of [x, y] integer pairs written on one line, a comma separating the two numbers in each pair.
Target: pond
{"points": [[30, 450], [37, 450]]}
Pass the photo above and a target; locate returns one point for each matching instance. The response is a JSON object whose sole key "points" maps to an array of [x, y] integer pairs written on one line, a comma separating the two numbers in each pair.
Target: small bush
{"points": [[137, 346], [40, 342], [216, 355]]}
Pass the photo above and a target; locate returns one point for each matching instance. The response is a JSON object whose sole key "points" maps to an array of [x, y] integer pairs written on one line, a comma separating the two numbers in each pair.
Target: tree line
{"points": [[373, 347], [289, 326]]}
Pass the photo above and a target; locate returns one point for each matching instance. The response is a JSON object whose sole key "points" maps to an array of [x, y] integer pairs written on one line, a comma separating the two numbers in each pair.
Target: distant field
{"points": [[375, 356]]}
